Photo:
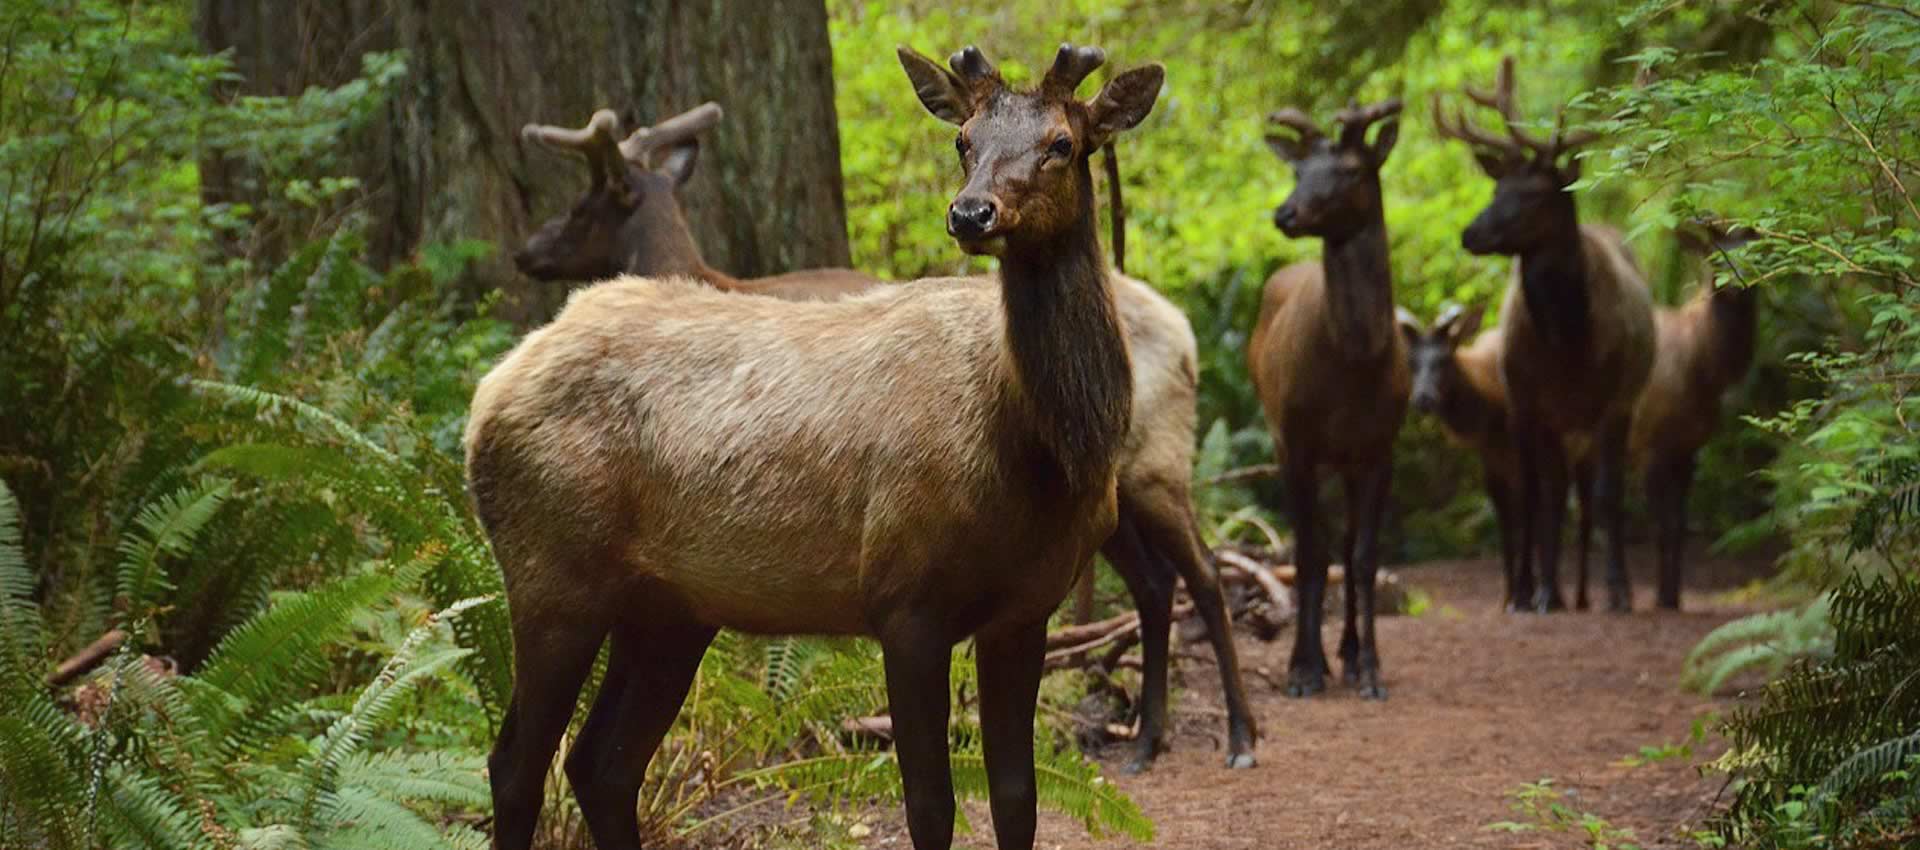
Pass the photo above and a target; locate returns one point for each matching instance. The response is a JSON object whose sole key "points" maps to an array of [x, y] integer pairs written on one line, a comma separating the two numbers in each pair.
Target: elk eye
{"points": [[960, 144], [1061, 148]]}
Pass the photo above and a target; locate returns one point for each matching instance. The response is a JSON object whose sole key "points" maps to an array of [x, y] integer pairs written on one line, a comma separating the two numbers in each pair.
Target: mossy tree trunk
{"points": [[445, 161]]}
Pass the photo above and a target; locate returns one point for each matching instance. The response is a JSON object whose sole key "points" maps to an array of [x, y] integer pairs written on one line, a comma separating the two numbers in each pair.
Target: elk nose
{"points": [[1425, 401], [971, 217], [1283, 216]]}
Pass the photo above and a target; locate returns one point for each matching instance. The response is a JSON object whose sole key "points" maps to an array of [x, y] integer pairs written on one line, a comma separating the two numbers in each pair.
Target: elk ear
{"points": [[1409, 324], [1124, 102], [678, 162], [1569, 174], [1467, 324], [940, 90], [1383, 141]]}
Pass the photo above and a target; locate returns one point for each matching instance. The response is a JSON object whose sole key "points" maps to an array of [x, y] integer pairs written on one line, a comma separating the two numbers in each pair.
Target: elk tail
{"points": [[1119, 211]]}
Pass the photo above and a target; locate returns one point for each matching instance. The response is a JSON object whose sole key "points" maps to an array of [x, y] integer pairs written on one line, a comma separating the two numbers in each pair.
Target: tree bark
{"points": [[445, 161]]}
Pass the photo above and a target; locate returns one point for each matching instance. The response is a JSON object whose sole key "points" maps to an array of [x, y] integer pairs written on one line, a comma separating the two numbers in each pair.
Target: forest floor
{"points": [[1481, 703]]}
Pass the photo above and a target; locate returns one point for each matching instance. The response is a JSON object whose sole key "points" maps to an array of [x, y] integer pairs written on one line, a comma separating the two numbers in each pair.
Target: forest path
{"points": [[1481, 702]]}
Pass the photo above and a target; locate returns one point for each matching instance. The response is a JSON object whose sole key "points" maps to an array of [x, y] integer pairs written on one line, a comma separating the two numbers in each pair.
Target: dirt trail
{"points": [[1481, 702]]}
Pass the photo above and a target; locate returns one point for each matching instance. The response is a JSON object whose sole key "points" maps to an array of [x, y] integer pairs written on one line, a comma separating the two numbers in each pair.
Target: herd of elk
{"points": [[682, 451], [630, 222], [1332, 375]]}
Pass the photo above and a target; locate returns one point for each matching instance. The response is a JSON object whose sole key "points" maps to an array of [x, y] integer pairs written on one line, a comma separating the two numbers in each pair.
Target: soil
{"points": [[1481, 702]]}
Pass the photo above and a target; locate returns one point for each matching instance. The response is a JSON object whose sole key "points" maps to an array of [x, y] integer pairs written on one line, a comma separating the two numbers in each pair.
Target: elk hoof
{"points": [[1619, 600], [1548, 601], [1143, 757], [1302, 683], [1240, 761], [1580, 603]]}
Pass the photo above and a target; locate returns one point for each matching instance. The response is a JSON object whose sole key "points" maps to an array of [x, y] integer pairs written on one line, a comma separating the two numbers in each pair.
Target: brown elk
{"points": [[1577, 338], [1331, 373], [1705, 346], [664, 460], [1154, 545]]}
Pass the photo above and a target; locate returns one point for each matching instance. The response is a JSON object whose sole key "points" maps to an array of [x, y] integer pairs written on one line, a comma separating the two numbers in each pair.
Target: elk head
{"points": [[1436, 372], [1025, 153], [629, 220], [1336, 188], [1530, 197]]}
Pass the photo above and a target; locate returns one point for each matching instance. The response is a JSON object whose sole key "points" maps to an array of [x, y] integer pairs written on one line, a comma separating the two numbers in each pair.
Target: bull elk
{"points": [[1576, 330], [644, 232], [664, 460], [1331, 373]]}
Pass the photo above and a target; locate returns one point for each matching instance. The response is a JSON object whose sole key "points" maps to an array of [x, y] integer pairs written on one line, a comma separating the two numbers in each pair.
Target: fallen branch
{"points": [[1124, 628], [1266, 578], [86, 659], [1081, 634], [1245, 473]]}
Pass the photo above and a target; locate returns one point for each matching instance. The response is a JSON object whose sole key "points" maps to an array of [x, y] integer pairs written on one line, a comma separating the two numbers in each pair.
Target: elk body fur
{"points": [[1154, 545], [1332, 375], [920, 463], [1576, 330]]}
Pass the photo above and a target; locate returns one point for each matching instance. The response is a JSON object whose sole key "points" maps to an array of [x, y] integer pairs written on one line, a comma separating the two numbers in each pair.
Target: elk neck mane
{"points": [[1555, 278], [1066, 349], [1359, 288]]}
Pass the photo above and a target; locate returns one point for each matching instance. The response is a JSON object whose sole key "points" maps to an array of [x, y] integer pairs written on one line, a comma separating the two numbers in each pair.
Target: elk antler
{"points": [[1460, 128], [644, 142], [599, 141], [1355, 119], [1297, 121], [973, 68], [1501, 100], [1071, 65]]}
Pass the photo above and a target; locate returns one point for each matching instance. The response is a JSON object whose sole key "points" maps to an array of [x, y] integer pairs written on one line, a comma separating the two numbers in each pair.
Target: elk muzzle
{"points": [[974, 221]]}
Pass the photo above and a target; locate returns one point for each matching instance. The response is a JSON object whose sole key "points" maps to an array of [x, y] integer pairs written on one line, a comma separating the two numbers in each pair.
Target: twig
{"points": [[1265, 577], [1262, 470]]}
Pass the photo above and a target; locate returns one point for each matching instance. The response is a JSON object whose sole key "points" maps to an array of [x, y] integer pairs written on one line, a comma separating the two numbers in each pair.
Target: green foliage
{"points": [[1767, 642], [1541, 807]]}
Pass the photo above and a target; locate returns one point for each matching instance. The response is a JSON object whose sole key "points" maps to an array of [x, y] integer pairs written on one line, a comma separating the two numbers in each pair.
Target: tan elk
{"points": [[1154, 545], [1458, 383], [1576, 330], [1331, 373], [918, 464], [1706, 346]]}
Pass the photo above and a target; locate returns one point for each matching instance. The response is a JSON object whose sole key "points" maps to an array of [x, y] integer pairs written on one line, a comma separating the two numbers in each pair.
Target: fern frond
{"points": [[23, 644], [303, 415], [270, 659], [1866, 767], [452, 778], [139, 811], [41, 777], [356, 818], [167, 526]]}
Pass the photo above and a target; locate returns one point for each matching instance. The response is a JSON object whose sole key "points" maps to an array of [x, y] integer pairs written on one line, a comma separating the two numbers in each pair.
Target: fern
{"points": [[22, 635], [1766, 641], [1867, 766], [166, 527]]}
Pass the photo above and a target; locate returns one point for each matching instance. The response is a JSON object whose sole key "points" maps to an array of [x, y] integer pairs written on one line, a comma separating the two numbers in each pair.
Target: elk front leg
{"points": [[1544, 473], [1583, 482], [1307, 670], [1609, 492], [1669, 480], [917, 659], [1509, 516], [1009, 667], [1368, 489]]}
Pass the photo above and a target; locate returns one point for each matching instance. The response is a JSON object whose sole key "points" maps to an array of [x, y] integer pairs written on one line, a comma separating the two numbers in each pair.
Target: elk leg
{"points": [[1176, 540], [1609, 494], [1009, 667], [1508, 517], [1370, 502], [1546, 497], [1349, 628], [648, 674], [1583, 480], [1672, 477], [1307, 670], [917, 660], [1150, 582], [551, 660], [1083, 599]]}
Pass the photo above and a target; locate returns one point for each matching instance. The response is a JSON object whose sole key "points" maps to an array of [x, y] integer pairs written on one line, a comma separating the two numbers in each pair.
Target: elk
{"points": [[664, 460], [630, 220], [1461, 388], [1154, 545], [1705, 346], [1331, 373], [1576, 330]]}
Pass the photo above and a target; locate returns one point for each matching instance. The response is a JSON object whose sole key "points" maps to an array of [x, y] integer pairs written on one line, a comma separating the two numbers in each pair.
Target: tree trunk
{"points": [[445, 161]]}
